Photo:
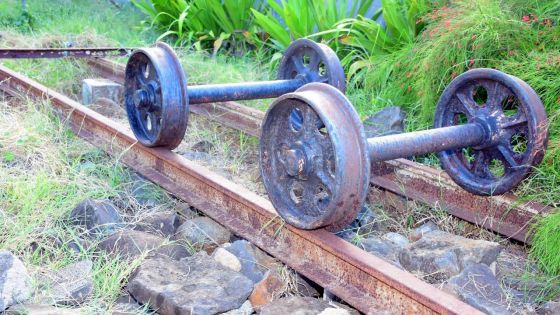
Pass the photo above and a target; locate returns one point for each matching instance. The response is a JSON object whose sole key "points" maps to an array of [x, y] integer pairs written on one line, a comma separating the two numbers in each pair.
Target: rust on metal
{"points": [[39, 53], [366, 282], [502, 214]]}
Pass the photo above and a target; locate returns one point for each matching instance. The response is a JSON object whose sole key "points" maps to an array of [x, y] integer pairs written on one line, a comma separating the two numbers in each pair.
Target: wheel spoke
{"points": [[310, 120], [467, 104], [496, 94], [314, 61], [479, 165], [515, 121], [508, 156], [298, 63]]}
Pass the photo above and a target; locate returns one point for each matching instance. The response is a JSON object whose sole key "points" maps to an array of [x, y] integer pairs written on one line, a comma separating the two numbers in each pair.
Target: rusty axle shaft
{"points": [[211, 93], [405, 145]]}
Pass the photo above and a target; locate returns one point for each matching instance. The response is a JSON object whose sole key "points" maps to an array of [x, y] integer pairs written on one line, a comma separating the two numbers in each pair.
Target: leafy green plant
{"points": [[301, 18], [204, 23], [369, 40]]}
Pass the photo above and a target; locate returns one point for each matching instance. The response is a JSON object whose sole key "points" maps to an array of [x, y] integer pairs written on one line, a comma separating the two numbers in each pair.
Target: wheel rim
{"points": [[316, 173], [156, 96], [313, 62], [518, 139]]}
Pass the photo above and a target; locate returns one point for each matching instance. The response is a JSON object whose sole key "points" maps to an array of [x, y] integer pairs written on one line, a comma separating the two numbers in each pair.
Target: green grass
{"points": [[41, 183], [69, 18], [546, 243]]}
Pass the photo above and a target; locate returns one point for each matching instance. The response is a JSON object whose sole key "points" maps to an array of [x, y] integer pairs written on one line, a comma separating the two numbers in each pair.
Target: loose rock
{"points": [[160, 223], [254, 262], [226, 259], [423, 229], [204, 232], [131, 244], [550, 308], [477, 286], [382, 248], [267, 290], [303, 306], [195, 285], [71, 285], [143, 191], [99, 217], [15, 283], [126, 305], [245, 309], [442, 255], [396, 240], [388, 121]]}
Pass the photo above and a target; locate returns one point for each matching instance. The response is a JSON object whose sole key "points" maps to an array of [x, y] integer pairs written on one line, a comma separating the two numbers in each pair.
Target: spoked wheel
{"points": [[316, 171], [517, 128], [314, 62], [156, 96]]}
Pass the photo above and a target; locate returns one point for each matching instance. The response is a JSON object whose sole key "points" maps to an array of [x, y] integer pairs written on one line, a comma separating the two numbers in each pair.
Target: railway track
{"points": [[365, 281], [503, 214]]}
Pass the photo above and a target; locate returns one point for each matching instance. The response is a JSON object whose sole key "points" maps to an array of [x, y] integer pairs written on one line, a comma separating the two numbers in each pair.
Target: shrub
{"points": [[302, 18], [204, 23]]}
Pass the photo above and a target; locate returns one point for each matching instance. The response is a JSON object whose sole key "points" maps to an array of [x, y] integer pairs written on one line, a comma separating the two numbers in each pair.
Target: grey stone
{"points": [[130, 244], [226, 259], [388, 121], [98, 217], [94, 89], [194, 285], [441, 255], [254, 262], [477, 286], [71, 285], [161, 223], [423, 229], [194, 155], [396, 239], [382, 248], [15, 283], [202, 146], [204, 232], [245, 309], [296, 305], [550, 308], [144, 192], [37, 309], [127, 305]]}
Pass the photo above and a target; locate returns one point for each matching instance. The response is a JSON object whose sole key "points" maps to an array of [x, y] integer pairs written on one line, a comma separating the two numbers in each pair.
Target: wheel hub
{"points": [[296, 161]]}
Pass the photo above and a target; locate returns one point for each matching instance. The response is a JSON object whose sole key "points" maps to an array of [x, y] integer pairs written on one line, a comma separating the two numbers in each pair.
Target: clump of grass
{"points": [[546, 243], [43, 178]]}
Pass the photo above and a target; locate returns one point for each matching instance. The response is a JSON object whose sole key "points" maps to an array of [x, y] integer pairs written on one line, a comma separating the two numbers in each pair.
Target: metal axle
{"points": [[210, 93], [404, 145], [40, 53]]}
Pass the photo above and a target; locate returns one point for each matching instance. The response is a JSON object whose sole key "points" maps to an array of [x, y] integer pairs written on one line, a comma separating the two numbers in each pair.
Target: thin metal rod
{"points": [[38, 53], [408, 144], [211, 93]]}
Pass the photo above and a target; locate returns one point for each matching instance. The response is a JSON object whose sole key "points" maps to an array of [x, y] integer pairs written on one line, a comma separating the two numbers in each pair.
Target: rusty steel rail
{"points": [[503, 214], [38, 53], [367, 282]]}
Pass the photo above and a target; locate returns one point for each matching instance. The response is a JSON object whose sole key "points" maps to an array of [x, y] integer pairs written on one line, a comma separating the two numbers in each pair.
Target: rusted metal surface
{"points": [[155, 96], [313, 158], [366, 282], [38, 53], [502, 214], [515, 124]]}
